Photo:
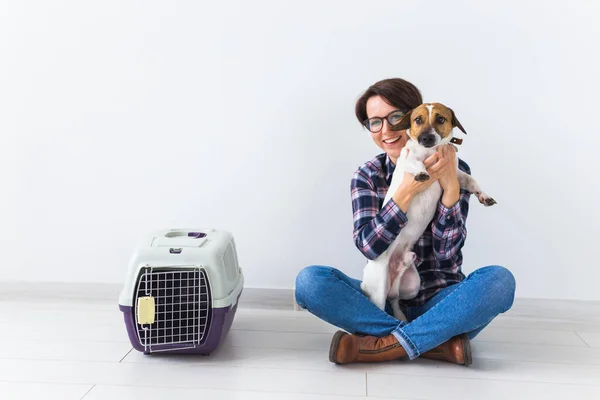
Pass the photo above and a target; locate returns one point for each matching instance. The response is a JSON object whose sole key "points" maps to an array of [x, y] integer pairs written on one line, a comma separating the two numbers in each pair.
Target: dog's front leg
{"points": [[469, 183], [397, 176], [415, 167]]}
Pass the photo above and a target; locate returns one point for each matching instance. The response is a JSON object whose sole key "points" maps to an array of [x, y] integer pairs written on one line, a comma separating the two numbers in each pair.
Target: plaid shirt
{"points": [[438, 251]]}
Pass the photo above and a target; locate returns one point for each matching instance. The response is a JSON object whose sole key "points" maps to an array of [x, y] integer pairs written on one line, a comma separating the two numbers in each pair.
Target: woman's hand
{"points": [[409, 188], [443, 165]]}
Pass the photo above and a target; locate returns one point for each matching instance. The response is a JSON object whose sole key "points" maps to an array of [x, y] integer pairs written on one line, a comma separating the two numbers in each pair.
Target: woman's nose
{"points": [[385, 127]]}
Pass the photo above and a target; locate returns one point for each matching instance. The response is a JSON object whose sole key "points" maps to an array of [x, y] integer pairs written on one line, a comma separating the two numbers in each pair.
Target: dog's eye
{"points": [[418, 120], [441, 120]]}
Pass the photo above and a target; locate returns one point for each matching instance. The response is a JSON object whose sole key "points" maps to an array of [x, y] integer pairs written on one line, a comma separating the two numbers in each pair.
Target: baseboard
{"points": [[273, 299]]}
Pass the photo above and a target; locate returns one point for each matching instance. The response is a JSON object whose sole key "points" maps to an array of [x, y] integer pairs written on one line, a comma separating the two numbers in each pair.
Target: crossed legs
{"points": [[461, 309]]}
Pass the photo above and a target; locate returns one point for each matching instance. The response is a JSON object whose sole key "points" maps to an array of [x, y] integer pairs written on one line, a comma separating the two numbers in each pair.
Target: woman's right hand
{"points": [[410, 187]]}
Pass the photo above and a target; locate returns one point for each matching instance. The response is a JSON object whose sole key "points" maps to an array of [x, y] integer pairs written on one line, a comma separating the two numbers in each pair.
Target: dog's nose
{"points": [[427, 139]]}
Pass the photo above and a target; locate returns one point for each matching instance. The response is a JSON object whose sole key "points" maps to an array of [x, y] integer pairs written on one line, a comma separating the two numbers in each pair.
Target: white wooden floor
{"points": [[72, 350]]}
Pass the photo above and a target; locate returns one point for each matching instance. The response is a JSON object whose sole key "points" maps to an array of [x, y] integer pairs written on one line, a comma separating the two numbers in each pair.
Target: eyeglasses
{"points": [[376, 123]]}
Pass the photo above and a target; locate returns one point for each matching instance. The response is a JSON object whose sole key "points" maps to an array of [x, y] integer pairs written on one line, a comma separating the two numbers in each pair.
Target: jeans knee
{"points": [[307, 283], [503, 286]]}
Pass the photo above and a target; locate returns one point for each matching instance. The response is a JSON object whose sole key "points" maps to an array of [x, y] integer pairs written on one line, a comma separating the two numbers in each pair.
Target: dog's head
{"points": [[430, 124]]}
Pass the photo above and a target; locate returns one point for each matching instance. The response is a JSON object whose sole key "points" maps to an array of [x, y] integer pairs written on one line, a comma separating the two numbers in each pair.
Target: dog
{"points": [[393, 275]]}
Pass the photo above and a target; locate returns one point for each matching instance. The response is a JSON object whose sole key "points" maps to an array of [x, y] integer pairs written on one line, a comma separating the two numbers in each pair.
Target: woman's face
{"points": [[389, 141]]}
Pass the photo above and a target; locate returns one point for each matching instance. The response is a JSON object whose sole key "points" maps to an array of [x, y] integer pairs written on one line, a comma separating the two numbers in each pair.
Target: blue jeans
{"points": [[465, 307]]}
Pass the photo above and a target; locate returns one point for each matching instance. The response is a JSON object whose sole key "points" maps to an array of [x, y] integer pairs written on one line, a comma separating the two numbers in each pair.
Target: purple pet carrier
{"points": [[181, 291]]}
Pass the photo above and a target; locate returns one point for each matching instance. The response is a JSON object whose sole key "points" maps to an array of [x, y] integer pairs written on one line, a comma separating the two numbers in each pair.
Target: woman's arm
{"points": [[374, 229], [449, 224]]}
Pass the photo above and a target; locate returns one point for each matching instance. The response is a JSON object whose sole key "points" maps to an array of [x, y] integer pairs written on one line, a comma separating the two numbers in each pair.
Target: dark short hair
{"points": [[396, 91]]}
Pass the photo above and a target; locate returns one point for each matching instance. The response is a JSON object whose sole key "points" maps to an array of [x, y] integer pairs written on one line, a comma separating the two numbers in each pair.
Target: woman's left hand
{"points": [[443, 164]]}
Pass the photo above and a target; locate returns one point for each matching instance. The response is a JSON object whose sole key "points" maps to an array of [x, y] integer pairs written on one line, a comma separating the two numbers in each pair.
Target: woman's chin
{"points": [[393, 151]]}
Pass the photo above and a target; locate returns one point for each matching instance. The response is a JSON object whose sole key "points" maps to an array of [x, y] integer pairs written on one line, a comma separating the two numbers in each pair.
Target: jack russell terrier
{"points": [[393, 275]]}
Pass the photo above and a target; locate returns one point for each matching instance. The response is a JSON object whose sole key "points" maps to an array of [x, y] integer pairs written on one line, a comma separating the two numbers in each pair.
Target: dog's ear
{"points": [[456, 122], [404, 122]]}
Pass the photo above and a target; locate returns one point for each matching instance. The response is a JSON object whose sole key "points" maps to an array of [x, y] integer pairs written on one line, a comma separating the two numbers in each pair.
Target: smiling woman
{"points": [[450, 308]]}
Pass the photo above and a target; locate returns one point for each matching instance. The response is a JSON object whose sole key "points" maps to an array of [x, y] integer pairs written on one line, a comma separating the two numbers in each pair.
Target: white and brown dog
{"points": [[393, 275]]}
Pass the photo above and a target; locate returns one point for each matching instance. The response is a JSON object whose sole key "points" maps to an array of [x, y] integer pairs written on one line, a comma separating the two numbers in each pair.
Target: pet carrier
{"points": [[181, 291]]}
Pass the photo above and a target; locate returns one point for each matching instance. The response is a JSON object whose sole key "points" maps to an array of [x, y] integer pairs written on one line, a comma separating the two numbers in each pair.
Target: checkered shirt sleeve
{"points": [[449, 226], [374, 229]]}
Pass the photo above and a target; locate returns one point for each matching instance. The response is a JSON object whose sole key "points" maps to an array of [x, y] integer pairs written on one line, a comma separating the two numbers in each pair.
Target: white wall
{"points": [[121, 117]]}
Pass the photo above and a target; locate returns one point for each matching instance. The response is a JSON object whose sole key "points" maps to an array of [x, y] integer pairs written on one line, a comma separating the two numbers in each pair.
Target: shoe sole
{"points": [[335, 341], [466, 344]]}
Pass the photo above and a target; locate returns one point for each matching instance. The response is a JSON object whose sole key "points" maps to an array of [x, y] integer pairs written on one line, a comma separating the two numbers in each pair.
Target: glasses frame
{"points": [[387, 118]]}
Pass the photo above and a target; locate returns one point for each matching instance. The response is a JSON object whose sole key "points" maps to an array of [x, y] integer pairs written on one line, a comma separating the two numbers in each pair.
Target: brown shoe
{"points": [[456, 350], [346, 348]]}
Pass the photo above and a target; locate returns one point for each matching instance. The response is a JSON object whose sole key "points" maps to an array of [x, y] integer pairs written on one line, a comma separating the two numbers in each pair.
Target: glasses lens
{"points": [[395, 117], [374, 124]]}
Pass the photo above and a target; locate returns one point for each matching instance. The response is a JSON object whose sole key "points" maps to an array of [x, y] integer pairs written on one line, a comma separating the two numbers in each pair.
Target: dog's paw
{"points": [[397, 311], [489, 202], [485, 199], [422, 177]]}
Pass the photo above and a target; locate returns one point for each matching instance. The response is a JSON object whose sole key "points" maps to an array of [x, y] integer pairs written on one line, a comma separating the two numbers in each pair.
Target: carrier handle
{"points": [[196, 235], [184, 232]]}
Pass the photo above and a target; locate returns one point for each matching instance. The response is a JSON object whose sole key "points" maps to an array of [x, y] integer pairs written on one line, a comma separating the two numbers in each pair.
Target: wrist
{"points": [[451, 195], [403, 197]]}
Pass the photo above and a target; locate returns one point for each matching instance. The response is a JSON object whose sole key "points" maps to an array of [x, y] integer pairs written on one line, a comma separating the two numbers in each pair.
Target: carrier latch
{"points": [[146, 310]]}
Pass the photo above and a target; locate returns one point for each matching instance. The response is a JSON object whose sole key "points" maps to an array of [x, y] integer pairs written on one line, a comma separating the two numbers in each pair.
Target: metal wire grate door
{"points": [[182, 308]]}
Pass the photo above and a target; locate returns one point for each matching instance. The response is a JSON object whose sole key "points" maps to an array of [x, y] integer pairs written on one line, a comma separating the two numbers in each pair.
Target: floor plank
{"points": [[47, 315], [592, 339], [193, 374], [570, 310], [399, 386], [46, 391], [102, 392], [250, 357], [524, 322], [489, 369], [63, 331], [288, 322], [537, 353], [498, 334], [63, 350]]}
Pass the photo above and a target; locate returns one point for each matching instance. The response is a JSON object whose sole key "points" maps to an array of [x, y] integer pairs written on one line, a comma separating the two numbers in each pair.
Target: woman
{"points": [[451, 308]]}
